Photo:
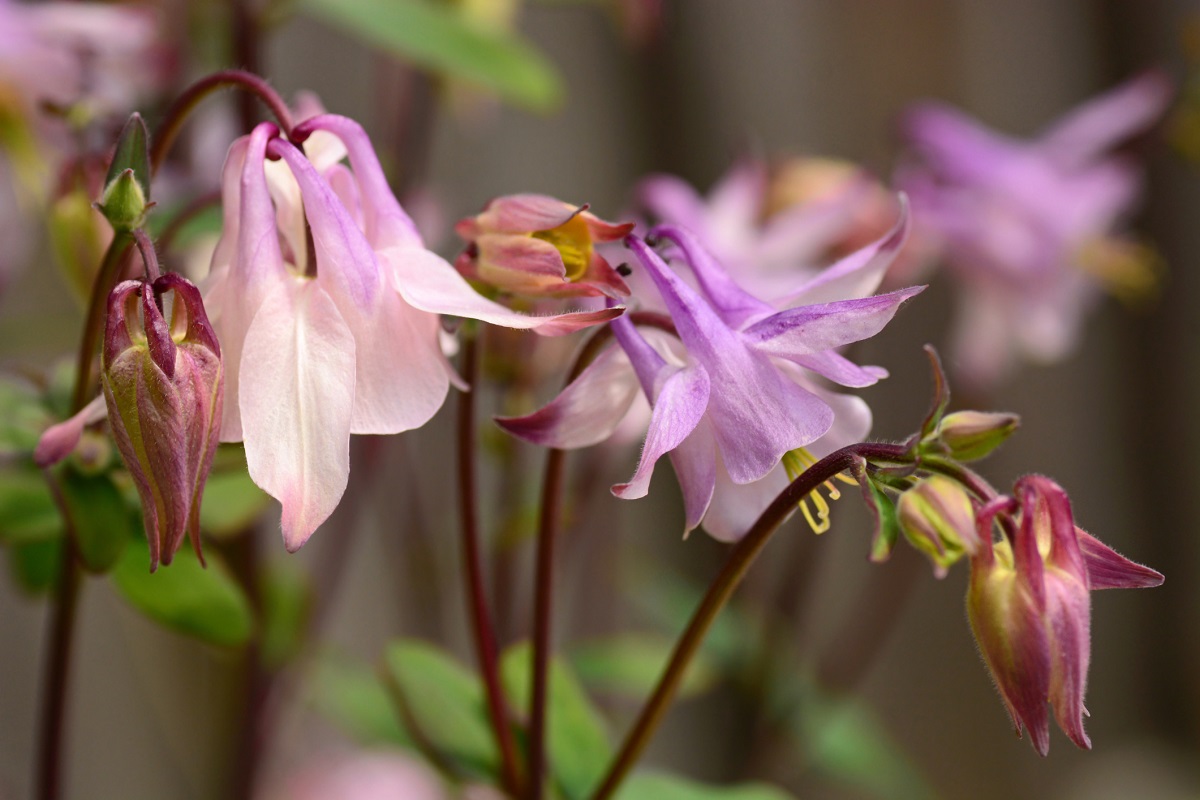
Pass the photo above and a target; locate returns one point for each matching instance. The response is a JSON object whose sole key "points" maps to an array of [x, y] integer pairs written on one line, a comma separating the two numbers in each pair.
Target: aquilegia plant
{"points": [[720, 335]]}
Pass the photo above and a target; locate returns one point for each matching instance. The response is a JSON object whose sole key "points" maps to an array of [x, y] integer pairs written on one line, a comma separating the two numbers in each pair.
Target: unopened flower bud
{"points": [[126, 196], [163, 385], [937, 518], [971, 435], [536, 245]]}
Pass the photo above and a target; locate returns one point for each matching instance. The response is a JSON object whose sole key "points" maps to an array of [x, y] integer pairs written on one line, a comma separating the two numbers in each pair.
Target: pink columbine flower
{"points": [[326, 303], [163, 388], [1027, 226], [531, 244], [736, 392], [1029, 606]]}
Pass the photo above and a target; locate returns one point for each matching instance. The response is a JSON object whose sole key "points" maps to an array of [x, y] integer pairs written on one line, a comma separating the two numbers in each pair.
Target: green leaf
{"points": [[883, 509], [27, 510], [103, 524], [576, 739], [631, 664], [35, 565], [204, 603], [439, 38], [23, 417], [356, 700], [444, 703], [231, 503], [845, 741], [661, 786], [286, 603]]}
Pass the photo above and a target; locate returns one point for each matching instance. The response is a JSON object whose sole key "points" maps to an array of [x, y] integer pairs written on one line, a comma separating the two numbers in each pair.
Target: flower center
{"points": [[573, 242], [797, 461]]}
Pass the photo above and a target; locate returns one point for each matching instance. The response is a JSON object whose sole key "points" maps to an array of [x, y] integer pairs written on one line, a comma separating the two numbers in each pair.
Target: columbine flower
{"points": [[1027, 226], [772, 231], [326, 303], [531, 244], [1029, 606], [163, 389], [735, 393]]}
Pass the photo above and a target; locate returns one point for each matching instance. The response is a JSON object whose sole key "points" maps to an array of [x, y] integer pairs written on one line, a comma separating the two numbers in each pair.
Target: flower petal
{"points": [[1108, 569], [296, 404], [526, 213], [813, 329], [587, 411], [57, 441], [737, 506], [695, 463], [387, 223], [840, 369], [1105, 121], [734, 305], [1068, 617], [428, 282]]}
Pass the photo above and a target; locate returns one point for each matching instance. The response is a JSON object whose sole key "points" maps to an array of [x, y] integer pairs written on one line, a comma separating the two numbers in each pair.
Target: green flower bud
{"points": [[971, 435], [937, 518], [126, 196]]}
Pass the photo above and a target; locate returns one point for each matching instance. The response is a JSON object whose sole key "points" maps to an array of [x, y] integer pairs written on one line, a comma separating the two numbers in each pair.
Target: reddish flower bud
{"points": [[532, 244], [937, 518], [164, 389]]}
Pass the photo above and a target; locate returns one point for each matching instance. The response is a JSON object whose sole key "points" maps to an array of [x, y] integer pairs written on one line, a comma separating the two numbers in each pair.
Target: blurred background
{"points": [[1115, 424]]}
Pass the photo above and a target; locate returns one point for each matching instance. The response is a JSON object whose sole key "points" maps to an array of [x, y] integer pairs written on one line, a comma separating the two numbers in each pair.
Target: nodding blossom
{"points": [[1027, 227], [735, 389], [326, 303]]}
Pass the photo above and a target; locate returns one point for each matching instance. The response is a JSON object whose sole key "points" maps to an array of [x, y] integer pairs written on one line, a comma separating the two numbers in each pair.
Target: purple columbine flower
{"points": [[326, 302], [735, 392], [1030, 610], [1027, 226]]}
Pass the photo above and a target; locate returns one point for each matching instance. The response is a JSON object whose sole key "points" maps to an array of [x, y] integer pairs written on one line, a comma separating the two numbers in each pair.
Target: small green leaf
{"points": [[438, 38], [27, 510], [23, 417], [576, 739], [845, 741], [445, 704], [631, 664], [35, 565], [661, 786], [286, 603], [883, 509], [231, 503], [355, 699], [102, 522], [204, 603]]}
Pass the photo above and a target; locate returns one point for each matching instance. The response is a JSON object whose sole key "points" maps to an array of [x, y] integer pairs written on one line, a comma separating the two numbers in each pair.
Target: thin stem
{"points": [[149, 257], [481, 621], [169, 129], [741, 556], [106, 278], [60, 631], [548, 525]]}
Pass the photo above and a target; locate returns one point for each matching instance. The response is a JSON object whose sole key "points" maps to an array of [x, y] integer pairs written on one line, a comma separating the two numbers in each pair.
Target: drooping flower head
{"points": [[163, 385], [1029, 605], [735, 391], [327, 304], [531, 244], [1028, 226]]}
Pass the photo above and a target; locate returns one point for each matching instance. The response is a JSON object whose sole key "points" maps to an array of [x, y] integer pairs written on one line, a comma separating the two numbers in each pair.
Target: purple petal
{"points": [[736, 507], [673, 200], [57, 441], [955, 145], [695, 463], [733, 304], [677, 408], [1108, 569], [1109, 119], [814, 329], [840, 369]]}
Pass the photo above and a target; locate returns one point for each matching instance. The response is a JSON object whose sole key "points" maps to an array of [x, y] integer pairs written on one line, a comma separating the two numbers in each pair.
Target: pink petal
{"points": [[672, 199], [734, 305], [59, 440], [840, 369], [1068, 617], [587, 411], [428, 282], [526, 213], [737, 506], [1109, 119], [296, 404], [696, 468], [1108, 569]]}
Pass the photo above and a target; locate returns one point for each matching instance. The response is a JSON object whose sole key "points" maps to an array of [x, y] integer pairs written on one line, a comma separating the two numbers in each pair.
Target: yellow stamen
{"points": [[797, 461], [1127, 269], [573, 242]]}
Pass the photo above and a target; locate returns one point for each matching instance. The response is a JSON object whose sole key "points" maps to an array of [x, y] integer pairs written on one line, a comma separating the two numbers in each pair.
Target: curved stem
{"points": [[60, 627], [169, 129], [149, 257], [481, 621], [106, 278], [720, 590]]}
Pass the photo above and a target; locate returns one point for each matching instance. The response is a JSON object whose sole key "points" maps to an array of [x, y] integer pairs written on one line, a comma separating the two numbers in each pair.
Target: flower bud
{"points": [[126, 196], [536, 245], [937, 519], [163, 385], [971, 435]]}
